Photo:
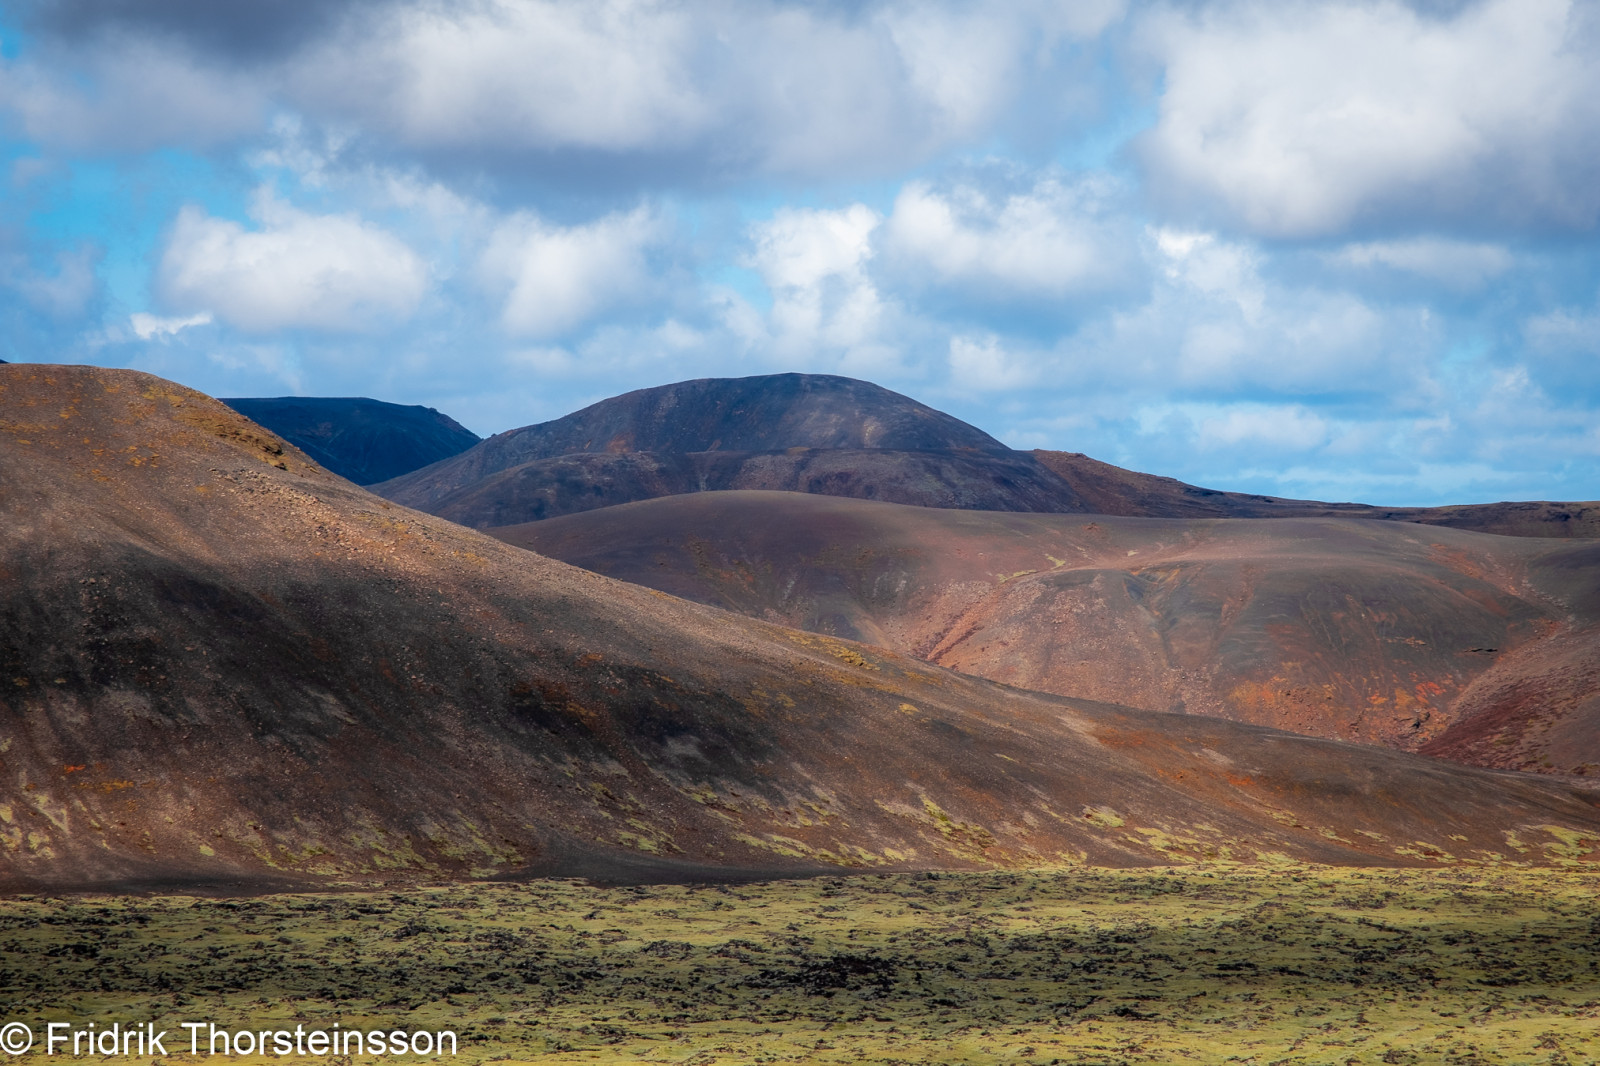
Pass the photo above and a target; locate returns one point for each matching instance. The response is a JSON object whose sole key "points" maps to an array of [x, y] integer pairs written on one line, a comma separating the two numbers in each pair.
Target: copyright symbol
{"points": [[16, 1038]]}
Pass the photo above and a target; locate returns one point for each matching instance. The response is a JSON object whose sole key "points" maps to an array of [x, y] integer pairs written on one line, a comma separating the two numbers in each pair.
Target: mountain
{"points": [[837, 436], [797, 432], [357, 438], [1386, 633], [1111, 490], [583, 481], [223, 663]]}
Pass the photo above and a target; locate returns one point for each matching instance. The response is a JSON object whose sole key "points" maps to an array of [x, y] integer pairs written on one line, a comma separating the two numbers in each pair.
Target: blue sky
{"points": [[1332, 250]]}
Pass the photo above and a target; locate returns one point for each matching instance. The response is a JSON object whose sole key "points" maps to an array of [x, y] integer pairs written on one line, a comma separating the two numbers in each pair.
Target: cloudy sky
{"points": [[1334, 250]]}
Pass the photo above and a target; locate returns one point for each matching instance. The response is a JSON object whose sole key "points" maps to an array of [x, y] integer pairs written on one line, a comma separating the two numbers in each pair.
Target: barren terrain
{"points": [[223, 664], [1478, 648]]}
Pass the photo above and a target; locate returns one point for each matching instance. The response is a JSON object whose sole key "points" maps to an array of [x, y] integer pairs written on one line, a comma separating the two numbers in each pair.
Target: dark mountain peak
{"points": [[766, 413], [359, 438], [769, 412]]}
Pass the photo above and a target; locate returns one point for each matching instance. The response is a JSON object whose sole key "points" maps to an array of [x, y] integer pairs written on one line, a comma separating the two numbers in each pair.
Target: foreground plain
{"points": [[1296, 964]]}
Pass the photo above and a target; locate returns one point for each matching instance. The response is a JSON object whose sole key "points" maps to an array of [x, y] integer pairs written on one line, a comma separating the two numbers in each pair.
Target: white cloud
{"points": [[1226, 271], [1462, 265], [966, 62], [1301, 119], [814, 262], [737, 88], [298, 270], [1282, 427], [554, 277], [960, 63], [149, 327], [983, 364], [1055, 241], [613, 74], [724, 88], [1217, 321]]}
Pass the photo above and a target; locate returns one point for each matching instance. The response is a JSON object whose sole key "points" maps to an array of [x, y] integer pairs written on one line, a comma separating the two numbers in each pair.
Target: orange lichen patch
{"points": [[107, 787], [1125, 738], [1458, 560]]}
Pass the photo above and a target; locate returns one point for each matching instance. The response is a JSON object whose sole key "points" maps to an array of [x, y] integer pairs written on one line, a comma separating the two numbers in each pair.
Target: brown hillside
{"points": [[221, 662], [1382, 633]]}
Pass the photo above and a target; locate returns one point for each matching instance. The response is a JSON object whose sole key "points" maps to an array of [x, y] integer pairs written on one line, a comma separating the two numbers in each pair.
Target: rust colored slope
{"points": [[221, 661], [1354, 630]]}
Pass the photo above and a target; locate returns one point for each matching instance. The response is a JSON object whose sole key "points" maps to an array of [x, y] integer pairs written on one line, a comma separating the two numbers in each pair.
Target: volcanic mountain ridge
{"points": [[222, 662], [795, 432], [836, 436]]}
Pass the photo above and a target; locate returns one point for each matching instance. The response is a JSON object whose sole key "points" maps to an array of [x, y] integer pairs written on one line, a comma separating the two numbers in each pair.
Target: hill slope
{"points": [[1111, 490], [360, 439], [1384, 633], [221, 661]]}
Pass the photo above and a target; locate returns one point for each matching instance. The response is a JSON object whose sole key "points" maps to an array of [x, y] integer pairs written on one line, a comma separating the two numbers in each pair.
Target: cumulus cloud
{"points": [[297, 270], [1280, 427], [715, 90], [982, 363], [1304, 119], [1054, 242], [1216, 322], [553, 278], [814, 262], [733, 88], [614, 74]]}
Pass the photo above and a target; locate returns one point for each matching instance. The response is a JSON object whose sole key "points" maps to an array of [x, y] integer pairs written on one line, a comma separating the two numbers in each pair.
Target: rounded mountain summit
{"points": [[817, 433]]}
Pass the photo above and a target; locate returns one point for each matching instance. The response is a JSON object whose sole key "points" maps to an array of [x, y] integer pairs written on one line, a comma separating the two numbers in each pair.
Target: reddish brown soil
{"points": [[1383, 633], [221, 663]]}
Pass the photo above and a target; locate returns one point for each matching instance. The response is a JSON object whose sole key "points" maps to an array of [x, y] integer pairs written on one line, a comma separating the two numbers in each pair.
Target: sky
{"points": [[1338, 251]]}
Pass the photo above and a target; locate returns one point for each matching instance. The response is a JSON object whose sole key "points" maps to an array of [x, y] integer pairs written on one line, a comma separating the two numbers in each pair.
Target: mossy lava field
{"points": [[1297, 964]]}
